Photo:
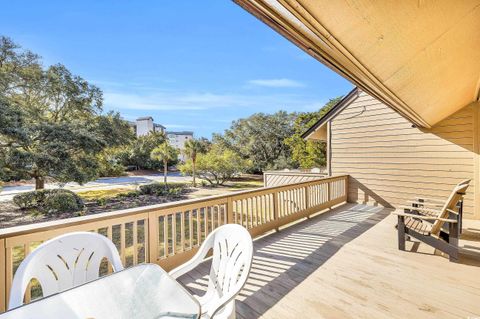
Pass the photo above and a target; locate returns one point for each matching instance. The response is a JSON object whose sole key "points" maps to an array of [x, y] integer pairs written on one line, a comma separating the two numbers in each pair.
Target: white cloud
{"points": [[176, 100], [276, 83]]}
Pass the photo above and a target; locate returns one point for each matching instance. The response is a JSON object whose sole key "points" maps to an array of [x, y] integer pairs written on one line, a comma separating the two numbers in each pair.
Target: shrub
{"points": [[51, 201], [128, 194], [62, 201], [101, 201], [160, 190], [29, 200]]}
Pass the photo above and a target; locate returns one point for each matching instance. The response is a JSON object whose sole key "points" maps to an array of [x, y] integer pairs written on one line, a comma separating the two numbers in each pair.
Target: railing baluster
{"points": [[182, 231], [110, 236], [8, 272], [3, 271], [166, 248], [205, 219], [174, 232], [190, 228], [135, 242], [28, 291], [122, 242]]}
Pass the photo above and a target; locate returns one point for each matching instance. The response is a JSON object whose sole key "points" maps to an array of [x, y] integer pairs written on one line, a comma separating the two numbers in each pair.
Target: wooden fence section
{"points": [[169, 234], [278, 178]]}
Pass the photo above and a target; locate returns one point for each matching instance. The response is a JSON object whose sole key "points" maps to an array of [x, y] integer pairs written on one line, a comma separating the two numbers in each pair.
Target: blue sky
{"points": [[192, 65]]}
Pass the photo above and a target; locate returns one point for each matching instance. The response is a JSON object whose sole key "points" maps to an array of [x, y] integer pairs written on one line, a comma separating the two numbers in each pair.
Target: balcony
{"points": [[344, 263], [330, 259]]}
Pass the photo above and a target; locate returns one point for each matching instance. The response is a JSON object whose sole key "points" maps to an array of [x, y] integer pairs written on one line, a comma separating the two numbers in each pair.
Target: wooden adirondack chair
{"points": [[436, 204], [425, 223]]}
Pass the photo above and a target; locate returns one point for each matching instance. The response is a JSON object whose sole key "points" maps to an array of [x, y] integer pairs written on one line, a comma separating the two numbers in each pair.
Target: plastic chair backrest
{"points": [[63, 262]]}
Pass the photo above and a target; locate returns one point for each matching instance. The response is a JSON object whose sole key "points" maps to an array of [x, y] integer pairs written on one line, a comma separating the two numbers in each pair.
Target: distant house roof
{"points": [[337, 108], [159, 125], [180, 132], [145, 118]]}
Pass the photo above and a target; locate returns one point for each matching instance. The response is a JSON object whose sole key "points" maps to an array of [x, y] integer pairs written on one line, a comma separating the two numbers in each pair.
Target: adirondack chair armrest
{"points": [[422, 217], [452, 211]]}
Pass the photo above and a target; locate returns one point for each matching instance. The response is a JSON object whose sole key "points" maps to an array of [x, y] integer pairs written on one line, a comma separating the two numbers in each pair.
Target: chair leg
{"points": [[233, 315], [453, 240], [401, 232], [460, 217]]}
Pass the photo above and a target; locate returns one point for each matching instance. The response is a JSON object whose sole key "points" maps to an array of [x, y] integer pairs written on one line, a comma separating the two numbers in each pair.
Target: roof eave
{"points": [[337, 108]]}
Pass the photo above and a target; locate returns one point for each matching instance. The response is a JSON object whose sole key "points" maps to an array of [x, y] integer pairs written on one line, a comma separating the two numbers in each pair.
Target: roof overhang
{"points": [[318, 131], [422, 58]]}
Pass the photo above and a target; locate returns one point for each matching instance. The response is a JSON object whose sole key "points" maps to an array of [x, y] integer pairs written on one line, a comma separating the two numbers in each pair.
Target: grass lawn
{"points": [[103, 193]]}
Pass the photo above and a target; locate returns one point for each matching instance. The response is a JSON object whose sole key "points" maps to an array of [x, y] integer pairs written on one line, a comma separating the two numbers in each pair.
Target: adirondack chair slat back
{"points": [[453, 199]]}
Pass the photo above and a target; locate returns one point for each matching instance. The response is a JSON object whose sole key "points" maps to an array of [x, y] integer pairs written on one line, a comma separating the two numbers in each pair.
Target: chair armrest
{"points": [[194, 262], [452, 211], [453, 221], [218, 304]]}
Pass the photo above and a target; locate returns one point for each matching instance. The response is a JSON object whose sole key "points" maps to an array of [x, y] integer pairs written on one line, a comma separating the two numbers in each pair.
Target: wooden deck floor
{"points": [[345, 264]]}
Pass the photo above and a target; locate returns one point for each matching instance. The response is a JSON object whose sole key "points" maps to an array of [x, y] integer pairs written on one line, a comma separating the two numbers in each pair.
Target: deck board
{"points": [[345, 264]]}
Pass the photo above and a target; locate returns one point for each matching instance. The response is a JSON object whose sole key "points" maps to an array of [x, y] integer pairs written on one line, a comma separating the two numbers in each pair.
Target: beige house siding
{"points": [[390, 161]]}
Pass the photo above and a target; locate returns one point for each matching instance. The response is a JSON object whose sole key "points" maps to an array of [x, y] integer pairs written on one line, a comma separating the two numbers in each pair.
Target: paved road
{"points": [[8, 192]]}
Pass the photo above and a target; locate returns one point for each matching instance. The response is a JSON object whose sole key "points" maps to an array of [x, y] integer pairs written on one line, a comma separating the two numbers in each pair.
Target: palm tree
{"points": [[164, 152], [192, 148]]}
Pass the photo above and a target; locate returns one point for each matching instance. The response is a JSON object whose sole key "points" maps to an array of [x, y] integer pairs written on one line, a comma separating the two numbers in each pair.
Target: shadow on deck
{"points": [[284, 259]]}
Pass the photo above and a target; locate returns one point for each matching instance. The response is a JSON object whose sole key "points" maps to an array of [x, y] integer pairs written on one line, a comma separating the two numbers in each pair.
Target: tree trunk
{"points": [[193, 169], [165, 170], [39, 183]]}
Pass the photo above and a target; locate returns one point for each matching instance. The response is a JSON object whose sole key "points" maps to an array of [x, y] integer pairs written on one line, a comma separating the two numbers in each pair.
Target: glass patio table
{"points": [[143, 292]]}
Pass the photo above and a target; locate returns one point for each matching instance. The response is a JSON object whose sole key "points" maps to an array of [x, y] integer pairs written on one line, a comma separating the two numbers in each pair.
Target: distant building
{"points": [[178, 139], [145, 125]]}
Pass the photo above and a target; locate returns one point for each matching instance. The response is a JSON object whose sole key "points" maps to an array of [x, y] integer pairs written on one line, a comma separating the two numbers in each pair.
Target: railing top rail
{"points": [[295, 173], [75, 221]]}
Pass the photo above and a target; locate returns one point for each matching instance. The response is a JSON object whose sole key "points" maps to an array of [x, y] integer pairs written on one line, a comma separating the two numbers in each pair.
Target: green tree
{"points": [[260, 139], [217, 166], [308, 154], [50, 120], [165, 153], [192, 148], [138, 152]]}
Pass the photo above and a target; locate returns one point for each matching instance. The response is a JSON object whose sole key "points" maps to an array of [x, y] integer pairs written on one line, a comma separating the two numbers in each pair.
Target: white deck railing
{"points": [[169, 234]]}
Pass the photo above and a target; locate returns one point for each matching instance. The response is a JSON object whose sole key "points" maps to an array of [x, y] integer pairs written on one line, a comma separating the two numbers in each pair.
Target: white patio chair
{"points": [[63, 262], [232, 259]]}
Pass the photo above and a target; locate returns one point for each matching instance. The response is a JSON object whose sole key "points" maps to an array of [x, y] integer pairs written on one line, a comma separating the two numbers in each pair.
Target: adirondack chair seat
{"points": [[435, 224], [420, 226]]}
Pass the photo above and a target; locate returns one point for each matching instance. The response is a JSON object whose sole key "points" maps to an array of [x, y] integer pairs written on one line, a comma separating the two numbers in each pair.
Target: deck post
{"points": [[275, 208], [152, 238], [328, 191], [230, 215], [346, 187], [307, 197], [401, 232]]}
